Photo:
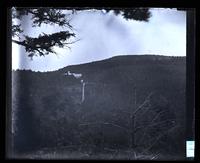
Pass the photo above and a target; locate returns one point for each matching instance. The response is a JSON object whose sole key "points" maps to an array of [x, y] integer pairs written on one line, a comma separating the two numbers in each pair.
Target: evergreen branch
{"points": [[43, 44]]}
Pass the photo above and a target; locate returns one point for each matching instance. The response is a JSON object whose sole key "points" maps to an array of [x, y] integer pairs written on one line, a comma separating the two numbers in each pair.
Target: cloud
{"points": [[106, 35]]}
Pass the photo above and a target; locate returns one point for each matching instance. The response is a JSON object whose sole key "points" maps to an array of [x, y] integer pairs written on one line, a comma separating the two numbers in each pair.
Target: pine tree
{"points": [[44, 43]]}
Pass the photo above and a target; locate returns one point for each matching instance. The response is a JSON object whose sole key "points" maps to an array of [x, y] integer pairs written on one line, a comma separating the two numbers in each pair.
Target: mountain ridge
{"points": [[147, 56]]}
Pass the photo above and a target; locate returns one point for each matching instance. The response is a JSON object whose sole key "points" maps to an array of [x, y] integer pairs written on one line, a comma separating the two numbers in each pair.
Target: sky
{"points": [[105, 35]]}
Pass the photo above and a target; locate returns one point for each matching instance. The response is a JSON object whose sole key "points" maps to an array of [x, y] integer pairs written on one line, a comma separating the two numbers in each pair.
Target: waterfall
{"points": [[83, 92]]}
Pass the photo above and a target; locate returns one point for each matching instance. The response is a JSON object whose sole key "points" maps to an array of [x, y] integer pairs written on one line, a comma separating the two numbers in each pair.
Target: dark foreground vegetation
{"points": [[133, 108]]}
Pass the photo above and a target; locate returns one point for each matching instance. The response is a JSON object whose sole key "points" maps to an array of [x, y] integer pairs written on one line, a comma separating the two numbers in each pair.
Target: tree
{"points": [[143, 133], [44, 43]]}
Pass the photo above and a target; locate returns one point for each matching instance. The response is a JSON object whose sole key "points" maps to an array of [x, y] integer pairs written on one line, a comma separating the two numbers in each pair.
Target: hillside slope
{"points": [[53, 108]]}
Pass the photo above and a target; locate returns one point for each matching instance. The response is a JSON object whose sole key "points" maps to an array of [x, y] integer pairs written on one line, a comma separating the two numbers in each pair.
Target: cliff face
{"points": [[49, 106]]}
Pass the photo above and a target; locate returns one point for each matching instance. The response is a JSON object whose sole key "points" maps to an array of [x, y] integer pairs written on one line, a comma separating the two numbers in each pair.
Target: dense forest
{"points": [[133, 108]]}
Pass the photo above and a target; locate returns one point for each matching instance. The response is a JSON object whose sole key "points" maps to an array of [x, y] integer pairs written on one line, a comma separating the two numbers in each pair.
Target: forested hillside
{"points": [[131, 103]]}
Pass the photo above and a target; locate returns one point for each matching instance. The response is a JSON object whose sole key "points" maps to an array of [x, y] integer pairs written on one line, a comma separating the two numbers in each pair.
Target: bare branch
{"points": [[67, 43], [157, 139], [105, 123], [143, 104], [150, 124]]}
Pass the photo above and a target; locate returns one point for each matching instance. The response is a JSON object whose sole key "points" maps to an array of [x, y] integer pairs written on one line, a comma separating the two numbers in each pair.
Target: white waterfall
{"points": [[83, 91]]}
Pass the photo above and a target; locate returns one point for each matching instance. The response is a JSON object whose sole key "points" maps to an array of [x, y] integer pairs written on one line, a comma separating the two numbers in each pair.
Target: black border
{"points": [[190, 76], [197, 105], [191, 48], [101, 3], [3, 76], [190, 72]]}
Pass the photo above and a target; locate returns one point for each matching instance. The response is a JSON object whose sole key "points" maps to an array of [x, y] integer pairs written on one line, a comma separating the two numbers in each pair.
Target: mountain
{"points": [[50, 110]]}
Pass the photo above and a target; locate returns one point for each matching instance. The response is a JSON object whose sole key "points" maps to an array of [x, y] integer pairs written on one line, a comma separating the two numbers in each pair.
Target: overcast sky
{"points": [[106, 35]]}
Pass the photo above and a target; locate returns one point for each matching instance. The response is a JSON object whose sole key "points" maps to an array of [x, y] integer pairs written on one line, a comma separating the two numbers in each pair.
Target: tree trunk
{"points": [[132, 122], [132, 143]]}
